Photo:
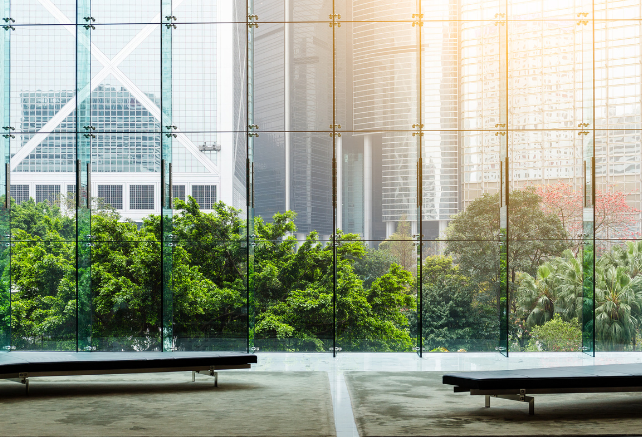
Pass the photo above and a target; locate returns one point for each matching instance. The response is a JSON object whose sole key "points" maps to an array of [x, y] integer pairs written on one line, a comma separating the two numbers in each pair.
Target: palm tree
{"points": [[537, 296], [557, 289], [629, 257], [568, 270], [618, 305]]}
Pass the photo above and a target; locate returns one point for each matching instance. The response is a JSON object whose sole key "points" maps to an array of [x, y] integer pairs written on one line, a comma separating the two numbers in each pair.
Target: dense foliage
{"points": [[293, 287], [293, 284], [457, 313]]}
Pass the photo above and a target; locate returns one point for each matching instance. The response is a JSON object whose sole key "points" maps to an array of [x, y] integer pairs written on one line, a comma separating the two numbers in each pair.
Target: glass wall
{"points": [[321, 175]]}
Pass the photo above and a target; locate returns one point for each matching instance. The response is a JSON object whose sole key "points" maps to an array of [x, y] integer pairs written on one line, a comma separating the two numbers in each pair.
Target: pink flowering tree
{"points": [[614, 217]]}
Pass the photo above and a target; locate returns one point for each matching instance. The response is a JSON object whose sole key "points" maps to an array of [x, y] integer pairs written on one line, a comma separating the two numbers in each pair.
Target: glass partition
{"points": [[316, 175]]}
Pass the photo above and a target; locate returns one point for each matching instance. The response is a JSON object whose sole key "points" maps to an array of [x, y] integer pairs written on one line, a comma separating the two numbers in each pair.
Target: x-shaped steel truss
{"points": [[110, 67]]}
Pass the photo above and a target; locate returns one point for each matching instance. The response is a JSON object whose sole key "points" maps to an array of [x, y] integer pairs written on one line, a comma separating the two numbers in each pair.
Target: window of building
{"points": [[113, 195], [141, 197], [178, 191], [50, 193], [205, 195], [20, 193]]}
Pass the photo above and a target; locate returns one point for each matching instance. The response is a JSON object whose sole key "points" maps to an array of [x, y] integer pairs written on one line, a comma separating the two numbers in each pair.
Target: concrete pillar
{"points": [[391, 227], [367, 187], [441, 247]]}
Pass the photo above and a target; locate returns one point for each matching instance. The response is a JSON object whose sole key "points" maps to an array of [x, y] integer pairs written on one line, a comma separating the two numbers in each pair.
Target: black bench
{"points": [[20, 366], [518, 384]]}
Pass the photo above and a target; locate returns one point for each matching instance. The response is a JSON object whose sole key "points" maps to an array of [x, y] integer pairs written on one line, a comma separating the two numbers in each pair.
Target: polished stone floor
{"points": [[345, 362]]}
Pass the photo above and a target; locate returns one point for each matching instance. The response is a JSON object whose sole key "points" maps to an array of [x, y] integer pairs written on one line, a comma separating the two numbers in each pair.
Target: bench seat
{"points": [[21, 366], [517, 384]]}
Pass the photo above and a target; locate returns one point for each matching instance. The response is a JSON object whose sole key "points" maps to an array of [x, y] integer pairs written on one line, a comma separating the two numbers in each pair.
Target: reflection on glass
{"points": [[488, 175]]}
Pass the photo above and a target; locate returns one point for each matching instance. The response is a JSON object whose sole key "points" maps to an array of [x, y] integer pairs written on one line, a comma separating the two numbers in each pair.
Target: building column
{"points": [[414, 228], [367, 187], [391, 227], [441, 247]]}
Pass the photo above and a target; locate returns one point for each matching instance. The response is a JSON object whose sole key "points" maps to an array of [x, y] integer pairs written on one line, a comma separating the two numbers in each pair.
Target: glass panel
{"points": [[198, 11], [125, 11], [297, 97], [43, 280], [43, 12], [293, 288], [166, 180], [208, 73], [5, 156], [209, 280], [376, 293], [505, 178], [529, 10], [543, 53], [43, 84], [309, 188], [126, 97], [126, 286], [296, 11], [617, 10], [616, 299], [588, 139], [250, 174], [459, 311], [380, 72], [462, 273]]}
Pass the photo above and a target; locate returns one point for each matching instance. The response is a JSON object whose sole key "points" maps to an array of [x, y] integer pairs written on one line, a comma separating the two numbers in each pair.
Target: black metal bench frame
{"points": [[521, 385], [135, 362]]}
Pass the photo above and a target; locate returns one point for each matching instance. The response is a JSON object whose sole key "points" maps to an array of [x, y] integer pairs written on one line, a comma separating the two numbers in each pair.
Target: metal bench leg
{"points": [[24, 379], [521, 397], [193, 376]]}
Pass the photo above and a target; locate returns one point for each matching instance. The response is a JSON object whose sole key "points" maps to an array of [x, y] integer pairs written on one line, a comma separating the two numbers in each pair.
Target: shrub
{"points": [[556, 335]]}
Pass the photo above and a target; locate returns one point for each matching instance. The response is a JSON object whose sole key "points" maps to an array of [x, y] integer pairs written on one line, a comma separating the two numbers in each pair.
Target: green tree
{"points": [[294, 294], [534, 236], [400, 246], [617, 308], [454, 317], [43, 311], [374, 264], [293, 287], [557, 289]]}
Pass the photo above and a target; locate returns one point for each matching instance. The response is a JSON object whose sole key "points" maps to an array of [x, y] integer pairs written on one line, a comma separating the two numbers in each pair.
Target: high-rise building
{"points": [[293, 77], [208, 161]]}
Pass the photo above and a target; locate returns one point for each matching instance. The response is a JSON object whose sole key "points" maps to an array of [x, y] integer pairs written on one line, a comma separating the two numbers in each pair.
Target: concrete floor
{"points": [[399, 362]]}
